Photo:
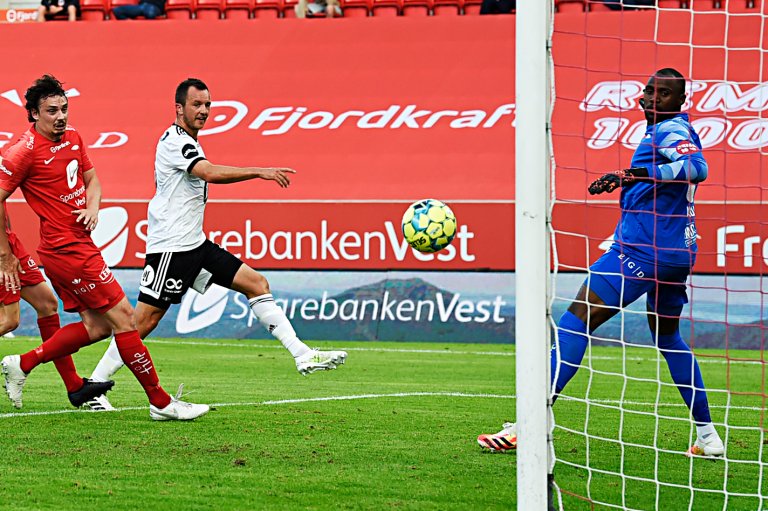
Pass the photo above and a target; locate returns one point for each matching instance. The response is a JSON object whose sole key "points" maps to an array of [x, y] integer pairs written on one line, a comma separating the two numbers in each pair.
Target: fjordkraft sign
{"points": [[384, 124]]}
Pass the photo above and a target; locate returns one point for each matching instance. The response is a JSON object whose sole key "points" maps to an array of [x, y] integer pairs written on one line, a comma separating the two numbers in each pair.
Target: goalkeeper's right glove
{"points": [[609, 182]]}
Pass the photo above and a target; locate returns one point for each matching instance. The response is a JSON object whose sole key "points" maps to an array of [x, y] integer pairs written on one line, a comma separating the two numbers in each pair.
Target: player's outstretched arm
{"points": [[90, 215], [222, 174], [9, 263]]}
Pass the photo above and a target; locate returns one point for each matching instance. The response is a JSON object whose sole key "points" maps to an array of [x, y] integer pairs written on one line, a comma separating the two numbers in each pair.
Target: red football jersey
{"points": [[51, 176]]}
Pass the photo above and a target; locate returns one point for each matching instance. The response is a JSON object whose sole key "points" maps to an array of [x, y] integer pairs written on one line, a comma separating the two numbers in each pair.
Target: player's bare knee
{"points": [[8, 325], [47, 308], [97, 331], [258, 284]]}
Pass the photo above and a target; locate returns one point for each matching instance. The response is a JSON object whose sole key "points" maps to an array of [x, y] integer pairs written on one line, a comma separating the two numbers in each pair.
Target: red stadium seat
{"points": [[266, 9], [417, 8], [179, 9], [94, 10], [704, 5], [209, 9], [570, 5], [446, 8], [669, 4], [288, 8], [471, 7], [355, 8], [385, 8], [739, 6], [238, 9], [597, 6]]}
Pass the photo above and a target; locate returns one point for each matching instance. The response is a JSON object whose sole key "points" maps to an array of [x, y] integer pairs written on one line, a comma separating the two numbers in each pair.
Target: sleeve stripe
{"points": [[192, 164]]}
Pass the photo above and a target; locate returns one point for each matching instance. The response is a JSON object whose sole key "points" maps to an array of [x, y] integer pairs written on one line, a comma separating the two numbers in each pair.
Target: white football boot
{"points": [[709, 447], [178, 410], [14, 378], [316, 360], [99, 404]]}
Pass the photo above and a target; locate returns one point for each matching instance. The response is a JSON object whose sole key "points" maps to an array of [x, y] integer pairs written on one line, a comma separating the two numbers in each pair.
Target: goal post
{"points": [[532, 217]]}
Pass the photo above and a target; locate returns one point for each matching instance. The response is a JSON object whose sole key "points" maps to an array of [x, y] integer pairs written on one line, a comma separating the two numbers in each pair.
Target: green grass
{"points": [[257, 451]]}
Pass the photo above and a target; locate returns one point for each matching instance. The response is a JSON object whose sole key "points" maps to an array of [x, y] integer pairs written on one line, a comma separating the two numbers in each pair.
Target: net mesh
{"points": [[621, 427]]}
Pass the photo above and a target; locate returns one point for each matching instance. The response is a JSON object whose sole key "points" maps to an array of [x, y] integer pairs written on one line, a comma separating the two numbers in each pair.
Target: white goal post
{"points": [[532, 276]]}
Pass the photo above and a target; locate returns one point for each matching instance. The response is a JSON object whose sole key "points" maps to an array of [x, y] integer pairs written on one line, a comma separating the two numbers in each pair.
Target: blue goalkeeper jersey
{"points": [[657, 216]]}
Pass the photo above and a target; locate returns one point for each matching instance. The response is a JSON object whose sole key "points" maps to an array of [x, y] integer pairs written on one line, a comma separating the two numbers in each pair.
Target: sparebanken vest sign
{"points": [[381, 124]]}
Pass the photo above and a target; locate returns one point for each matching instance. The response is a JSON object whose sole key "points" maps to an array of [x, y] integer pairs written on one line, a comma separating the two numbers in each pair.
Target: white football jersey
{"points": [[176, 211]]}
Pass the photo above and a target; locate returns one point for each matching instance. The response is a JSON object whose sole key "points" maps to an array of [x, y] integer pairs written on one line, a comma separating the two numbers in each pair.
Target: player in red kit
{"points": [[50, 165], [36, 292]]}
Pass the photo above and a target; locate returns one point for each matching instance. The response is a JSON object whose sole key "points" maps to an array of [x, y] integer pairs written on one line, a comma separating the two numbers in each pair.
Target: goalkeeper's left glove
{"points": [[609, 182]]}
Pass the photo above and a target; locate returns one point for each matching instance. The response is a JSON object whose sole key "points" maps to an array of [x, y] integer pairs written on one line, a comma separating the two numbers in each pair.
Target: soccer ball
{"points": [[429, 225]]}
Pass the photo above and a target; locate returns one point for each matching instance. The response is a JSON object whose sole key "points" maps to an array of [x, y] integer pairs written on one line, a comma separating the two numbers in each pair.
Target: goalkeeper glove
{"points": [[609, 182]]}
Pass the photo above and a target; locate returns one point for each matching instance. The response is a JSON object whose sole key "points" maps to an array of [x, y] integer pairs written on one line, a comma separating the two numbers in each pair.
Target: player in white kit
{"points": [[179, 255]]}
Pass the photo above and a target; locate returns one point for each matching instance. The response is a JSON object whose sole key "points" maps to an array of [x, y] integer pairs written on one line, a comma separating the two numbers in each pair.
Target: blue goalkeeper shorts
{"points": [[620, 279]]}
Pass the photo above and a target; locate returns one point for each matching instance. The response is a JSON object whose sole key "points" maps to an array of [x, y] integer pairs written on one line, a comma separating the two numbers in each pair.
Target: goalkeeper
{"points": [[653, 253]]}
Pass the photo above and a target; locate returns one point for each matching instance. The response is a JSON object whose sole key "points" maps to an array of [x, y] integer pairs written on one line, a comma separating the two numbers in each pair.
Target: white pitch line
{"points": [[279, 402], [701, 359], [353, 397], [280, 347]]}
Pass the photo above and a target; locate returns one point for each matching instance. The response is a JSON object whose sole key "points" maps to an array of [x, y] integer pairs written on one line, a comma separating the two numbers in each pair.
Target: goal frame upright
{"points": [[532, 251]]}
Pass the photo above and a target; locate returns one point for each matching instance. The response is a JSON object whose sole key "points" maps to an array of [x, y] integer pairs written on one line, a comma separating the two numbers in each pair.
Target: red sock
{"points": [[136, 357], [65, 341], [48, 326]]}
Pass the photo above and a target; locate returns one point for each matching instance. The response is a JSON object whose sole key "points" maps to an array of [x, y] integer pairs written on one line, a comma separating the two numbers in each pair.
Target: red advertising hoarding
{"points": [[404, 109]]}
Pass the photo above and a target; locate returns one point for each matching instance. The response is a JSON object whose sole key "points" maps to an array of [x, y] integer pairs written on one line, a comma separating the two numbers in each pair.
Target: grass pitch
{"points": [[394, 428]]}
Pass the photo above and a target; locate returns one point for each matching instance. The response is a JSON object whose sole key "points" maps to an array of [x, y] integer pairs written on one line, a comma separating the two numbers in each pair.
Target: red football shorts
{"points": [[81, 278], [31, 276]]}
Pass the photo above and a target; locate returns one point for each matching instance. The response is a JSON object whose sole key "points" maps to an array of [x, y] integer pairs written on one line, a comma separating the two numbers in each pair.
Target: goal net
{"points": [[621, 426]]}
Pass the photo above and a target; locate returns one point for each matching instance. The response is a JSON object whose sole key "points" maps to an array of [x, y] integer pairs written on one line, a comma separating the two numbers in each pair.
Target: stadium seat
{"points": [[597, 6], [471, 7], [238, 9], [570, 6], [287, 7], [268, 9], [179, 9], [94, 10], [704, 5], [740, 6], [356, 8], [209, 9], [417, 8], [446, 8], [669, 4], [385, 8]]}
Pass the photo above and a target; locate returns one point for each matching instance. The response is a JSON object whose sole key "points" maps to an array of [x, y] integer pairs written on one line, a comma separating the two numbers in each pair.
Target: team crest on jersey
{"points": [[148, 276], [189, 151], [686, 147], [106, 276]]}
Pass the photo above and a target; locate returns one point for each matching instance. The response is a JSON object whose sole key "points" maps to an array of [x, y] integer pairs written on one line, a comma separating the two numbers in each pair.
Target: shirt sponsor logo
{"points": [[5, 170], [189, 151], [72, 173], [174, 285], [55, 149], [685, 147]]}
